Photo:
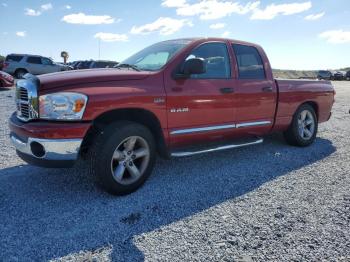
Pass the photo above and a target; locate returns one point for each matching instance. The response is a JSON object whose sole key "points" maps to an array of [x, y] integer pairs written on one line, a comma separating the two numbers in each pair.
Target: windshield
{"points": [[154, 57]]}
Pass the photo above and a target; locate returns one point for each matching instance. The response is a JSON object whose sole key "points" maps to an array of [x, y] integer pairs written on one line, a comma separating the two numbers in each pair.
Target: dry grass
{"points": [[294, 74]]}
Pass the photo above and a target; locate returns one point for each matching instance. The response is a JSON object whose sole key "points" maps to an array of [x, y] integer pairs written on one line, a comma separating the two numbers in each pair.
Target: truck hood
{"points": [[76, 77]]}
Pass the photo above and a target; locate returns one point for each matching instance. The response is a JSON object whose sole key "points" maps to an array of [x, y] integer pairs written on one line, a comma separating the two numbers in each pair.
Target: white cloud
{"points": [[226, 34], [46, 7], [68, 7], [273, 10], [32, 12], [21, 33], [173, 3], [109, 37], [81, 18], [217, 26], [313, 17], [336, 36], [43, 8], [163, 25], [210, 9]]}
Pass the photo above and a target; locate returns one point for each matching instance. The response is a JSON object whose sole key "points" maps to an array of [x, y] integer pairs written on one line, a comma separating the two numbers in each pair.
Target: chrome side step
{"points": [[217, 148]]}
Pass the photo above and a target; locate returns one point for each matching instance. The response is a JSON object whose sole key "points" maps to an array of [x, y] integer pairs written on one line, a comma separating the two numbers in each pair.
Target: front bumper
{"points": [[48, 144], [47, 152]]}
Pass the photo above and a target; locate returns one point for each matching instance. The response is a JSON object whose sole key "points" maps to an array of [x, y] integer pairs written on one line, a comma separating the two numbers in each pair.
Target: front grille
{"points": [[24, 111], [23, 94], [26, 99]]}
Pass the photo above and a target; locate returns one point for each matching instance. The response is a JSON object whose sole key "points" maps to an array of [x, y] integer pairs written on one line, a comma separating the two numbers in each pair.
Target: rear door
{"points": [[200, 108], [34, 65], [255, 90]]}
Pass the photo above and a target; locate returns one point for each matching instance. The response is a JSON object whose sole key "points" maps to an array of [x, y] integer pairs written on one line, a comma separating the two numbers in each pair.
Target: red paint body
{"points": [[113, 89], [6, 80]]}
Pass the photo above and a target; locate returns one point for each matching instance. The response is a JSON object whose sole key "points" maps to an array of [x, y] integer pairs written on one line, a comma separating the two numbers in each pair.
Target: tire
{"points": [[113, 164], [303, 129], [19, 74]]}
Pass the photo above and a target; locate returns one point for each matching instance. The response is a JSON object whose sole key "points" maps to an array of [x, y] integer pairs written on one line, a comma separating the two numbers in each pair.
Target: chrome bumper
{"points": [[53, 149]]}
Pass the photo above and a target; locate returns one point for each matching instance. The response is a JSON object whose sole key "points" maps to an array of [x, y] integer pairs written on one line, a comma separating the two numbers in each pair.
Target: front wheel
{"points": [[303, 129], [122, 157]]}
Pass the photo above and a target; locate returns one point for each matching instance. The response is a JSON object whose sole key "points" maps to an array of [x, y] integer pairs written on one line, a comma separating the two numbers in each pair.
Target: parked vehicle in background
{"points": [[324, 75], [338, 75], [103, 64], [176, 98], [68, 66], [84, 64], [20, 64], [6, 80], [347, 76], [89, 64], [74, 64]]}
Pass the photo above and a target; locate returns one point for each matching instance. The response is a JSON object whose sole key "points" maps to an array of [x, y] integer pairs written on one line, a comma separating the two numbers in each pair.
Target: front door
{"points": [[200, 108]]}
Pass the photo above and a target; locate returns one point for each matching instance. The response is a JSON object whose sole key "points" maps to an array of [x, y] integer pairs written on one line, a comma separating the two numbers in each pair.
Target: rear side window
{"points": [[250, 64], [14, 58], [34, 60]]}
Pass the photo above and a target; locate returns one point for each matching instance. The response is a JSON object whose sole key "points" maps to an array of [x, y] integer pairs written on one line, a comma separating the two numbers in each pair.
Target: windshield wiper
{"points": [[128, 66]]}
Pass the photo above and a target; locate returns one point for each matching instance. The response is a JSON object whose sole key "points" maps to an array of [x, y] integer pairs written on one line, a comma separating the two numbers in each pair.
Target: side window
{"points": [[250, 64], [34, 60], [13, 58], [216, 60], [46, 61]]}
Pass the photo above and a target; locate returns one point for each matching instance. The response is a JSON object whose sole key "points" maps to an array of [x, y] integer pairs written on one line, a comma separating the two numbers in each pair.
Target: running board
{"points": [[217, 148]]}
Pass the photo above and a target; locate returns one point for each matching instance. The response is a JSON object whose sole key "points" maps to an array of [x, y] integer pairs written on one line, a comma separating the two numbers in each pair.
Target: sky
{"points": [[296, 34]]}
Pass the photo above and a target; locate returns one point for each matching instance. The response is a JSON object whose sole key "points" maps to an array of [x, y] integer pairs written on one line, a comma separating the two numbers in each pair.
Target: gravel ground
{"points": [[270, 202]]}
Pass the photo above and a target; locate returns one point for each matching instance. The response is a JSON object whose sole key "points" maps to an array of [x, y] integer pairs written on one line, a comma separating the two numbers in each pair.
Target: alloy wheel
{"points": [[130, 160]]}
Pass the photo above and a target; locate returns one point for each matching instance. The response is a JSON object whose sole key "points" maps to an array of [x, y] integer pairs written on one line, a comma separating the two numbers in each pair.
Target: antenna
{"points": [[99, 48]]}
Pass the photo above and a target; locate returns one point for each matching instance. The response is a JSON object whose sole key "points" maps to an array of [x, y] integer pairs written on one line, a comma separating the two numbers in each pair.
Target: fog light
{"points": [[37, 149]]}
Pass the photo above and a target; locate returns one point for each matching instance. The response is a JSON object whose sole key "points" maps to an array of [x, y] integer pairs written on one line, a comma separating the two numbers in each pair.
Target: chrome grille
{"points": [[23, 93], [27, 98]]}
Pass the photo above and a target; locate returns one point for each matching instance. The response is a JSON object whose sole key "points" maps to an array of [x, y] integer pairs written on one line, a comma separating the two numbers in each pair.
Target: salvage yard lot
{"points": [[266, 202]]}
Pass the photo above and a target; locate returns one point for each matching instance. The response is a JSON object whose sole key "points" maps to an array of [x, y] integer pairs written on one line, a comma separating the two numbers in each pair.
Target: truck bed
{"points": [[293, 92]]}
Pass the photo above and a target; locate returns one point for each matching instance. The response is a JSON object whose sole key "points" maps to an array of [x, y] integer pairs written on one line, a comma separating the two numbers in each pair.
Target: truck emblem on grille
{"points": [[179, 110]]}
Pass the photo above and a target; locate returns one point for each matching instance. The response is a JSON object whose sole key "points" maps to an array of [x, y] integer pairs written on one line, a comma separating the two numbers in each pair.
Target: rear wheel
{"points": [[122, 157], [303, 129], [20, 73]]}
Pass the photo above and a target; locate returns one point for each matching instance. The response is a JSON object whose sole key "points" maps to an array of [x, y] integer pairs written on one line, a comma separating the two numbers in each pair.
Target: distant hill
{"points": [[297, 74], [294, 74]]}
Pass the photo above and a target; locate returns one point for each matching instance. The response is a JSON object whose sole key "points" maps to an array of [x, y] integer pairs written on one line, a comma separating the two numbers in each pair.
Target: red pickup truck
{"points": [[175, 98]]}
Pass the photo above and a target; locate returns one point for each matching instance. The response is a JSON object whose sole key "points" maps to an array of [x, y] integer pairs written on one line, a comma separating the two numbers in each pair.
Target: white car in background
{"points": [[20, 64]]}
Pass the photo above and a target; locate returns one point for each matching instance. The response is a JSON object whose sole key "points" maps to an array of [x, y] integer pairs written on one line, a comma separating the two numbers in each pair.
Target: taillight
{"points": [[5, 65]]}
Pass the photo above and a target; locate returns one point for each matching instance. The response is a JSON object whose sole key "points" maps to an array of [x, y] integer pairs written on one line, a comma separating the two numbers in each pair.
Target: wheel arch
{"points": [[20, 68], [141, 116], [313, 104]]}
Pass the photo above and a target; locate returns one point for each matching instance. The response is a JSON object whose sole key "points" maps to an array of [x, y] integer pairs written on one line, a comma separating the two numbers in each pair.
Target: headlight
{"points": [[62, 106]]}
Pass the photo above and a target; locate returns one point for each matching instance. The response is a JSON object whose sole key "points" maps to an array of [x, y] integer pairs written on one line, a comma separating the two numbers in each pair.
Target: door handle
{"points": [[227, 90], [267, 89]]}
